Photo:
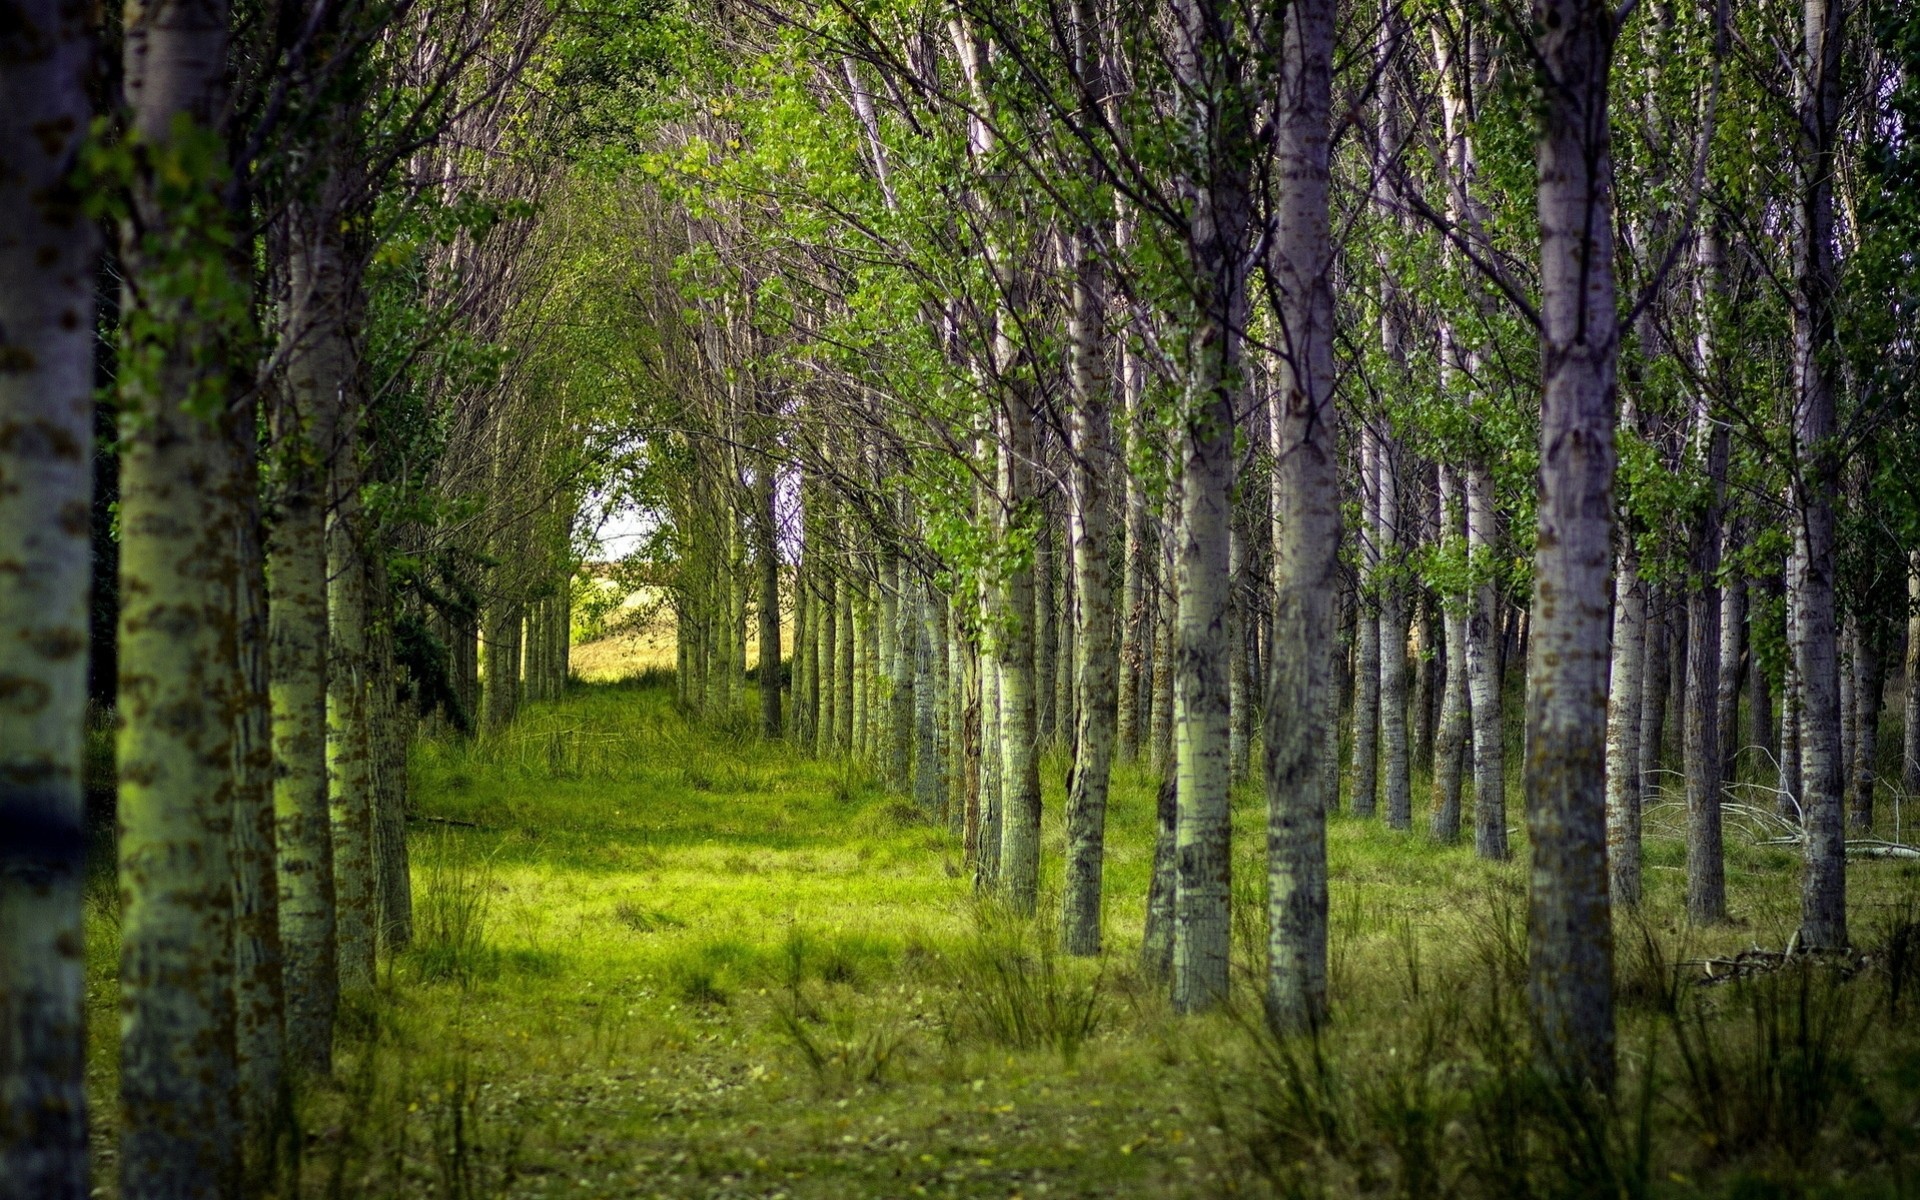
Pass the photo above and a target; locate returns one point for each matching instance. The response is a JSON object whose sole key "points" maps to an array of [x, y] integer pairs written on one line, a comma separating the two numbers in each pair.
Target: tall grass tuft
{"points": [[451, 914], [1010, 986], [840, 1046]]}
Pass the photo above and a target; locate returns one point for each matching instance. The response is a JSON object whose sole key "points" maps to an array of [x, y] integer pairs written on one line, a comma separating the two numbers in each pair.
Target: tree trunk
{"points": [[1450, 738], [1733, 654], [1787, 803], [1215, 251], [1706, 857], [1156, 940], [1910, 739], [1301, 697], [1096, 670], [1483, 674], [1137, 587], [1394, 758], [47, 263], [390, 728], [1015, 637], [1823, 896], [259, 983], [178, 647], [1624, 794], [1656, 664], [929, 700], [305, 426], [901, 718], [1866, 738], [1366, 658], [767, 556], [349, 740], [1569, 932]]}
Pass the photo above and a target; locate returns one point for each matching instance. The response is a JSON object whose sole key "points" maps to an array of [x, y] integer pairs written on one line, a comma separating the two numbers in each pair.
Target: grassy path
{"points": [[660, 960]]}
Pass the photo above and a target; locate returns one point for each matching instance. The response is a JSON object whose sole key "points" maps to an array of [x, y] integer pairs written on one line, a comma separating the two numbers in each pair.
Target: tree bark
{"points": [[1096, 671], [178, 645], [1215, 252], [1301, 698], [1450, 738], [1706, 858], [1569, 933], [1624, 794], [1014, 644], [767, 557], [1396, 786], [1866, 710], [1483, 673], [1910, 739], [1366, 657], [1823, 895], [305, 420], [48, 253], [349, 740]]}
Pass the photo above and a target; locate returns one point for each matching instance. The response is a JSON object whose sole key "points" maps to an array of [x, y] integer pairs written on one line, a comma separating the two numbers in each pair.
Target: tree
{"points": [[46, 429]]}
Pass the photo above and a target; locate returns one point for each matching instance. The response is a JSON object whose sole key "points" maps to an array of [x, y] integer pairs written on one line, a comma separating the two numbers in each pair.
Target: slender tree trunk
{"points": [[1483, 675], [349, 742], [1706, 859], [1014, 646], [259, 987], [929, 699], [1156, 940], [1569, 932], [1215, 253], [1910, 739], [1823, 897], [1366, 664], [178, 645], [1394, 756], [1301, 696], [1137, 588], [1096, 670], [1166, 601], [1849, 706], [1450, 739], [1791, 699], [1733, 653], [305, 426], [47, 264], [1239, 678], [767, 554], [1656, 662], [1866, 738], [904, 705], [390, 719], [1623, 726], [842, 657]]}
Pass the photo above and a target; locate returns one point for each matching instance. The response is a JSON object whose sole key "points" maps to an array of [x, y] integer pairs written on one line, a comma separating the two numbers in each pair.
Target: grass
{"points": [[660, 960]]}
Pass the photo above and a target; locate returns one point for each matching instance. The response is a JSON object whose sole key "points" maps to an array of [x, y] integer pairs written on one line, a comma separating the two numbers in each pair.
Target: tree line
{"points": [[275, 451], [1342, 398], [1346, 398]]}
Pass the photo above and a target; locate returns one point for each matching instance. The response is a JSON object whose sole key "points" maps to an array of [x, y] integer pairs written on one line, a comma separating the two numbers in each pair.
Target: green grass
{"points": [[658, 960]]}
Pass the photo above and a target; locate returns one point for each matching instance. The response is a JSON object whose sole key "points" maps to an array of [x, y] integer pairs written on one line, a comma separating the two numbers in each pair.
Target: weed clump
{"points": [[452, 913], [1010, 986]]}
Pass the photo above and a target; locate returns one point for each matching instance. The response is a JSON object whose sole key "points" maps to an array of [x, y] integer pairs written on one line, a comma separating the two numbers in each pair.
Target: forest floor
{"points": [[658, 959]]}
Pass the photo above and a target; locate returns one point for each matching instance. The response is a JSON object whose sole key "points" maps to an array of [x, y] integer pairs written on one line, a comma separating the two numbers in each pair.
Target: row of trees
{"points": [[1199, 380], [323, 460]]}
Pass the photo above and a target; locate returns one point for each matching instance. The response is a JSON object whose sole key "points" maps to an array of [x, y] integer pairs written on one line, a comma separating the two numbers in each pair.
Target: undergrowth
{"points": [[654, 959]]}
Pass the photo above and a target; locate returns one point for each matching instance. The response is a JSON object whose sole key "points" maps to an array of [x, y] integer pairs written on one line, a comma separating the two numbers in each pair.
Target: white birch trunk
{"points": [[1569, 930], [1301, 697], [47, 261]]}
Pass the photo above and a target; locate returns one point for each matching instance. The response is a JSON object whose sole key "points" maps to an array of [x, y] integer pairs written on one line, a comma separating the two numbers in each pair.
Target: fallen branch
{"points": [[444, 821]]}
